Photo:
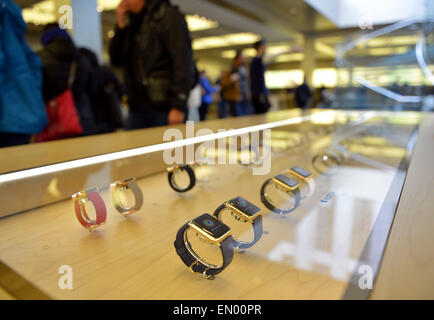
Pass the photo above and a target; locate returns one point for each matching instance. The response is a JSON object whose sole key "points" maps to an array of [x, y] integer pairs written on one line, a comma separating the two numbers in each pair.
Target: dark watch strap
{"points": [[272, 207], [257, 228], [196, 265], [191, 175]]}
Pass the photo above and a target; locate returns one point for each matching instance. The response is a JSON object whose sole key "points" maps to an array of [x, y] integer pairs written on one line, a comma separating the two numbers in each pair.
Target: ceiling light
{"points": [[43, 12], [197, 23], [108, 4], [230, 54], [228, 40], [289, 57]]}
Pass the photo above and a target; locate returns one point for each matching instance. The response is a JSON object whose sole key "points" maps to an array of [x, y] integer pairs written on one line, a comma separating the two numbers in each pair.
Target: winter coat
{"points": [[22, 107], [57, 57], [156, 54]]}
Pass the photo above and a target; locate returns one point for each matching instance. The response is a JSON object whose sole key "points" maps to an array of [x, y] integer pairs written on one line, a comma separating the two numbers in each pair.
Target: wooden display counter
{"points": [[309, 255]]}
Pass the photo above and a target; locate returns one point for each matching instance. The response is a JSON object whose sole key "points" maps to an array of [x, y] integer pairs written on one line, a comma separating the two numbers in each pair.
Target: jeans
{"points": [[203, 111], [232, 107], [246, 108], [139, 119]]}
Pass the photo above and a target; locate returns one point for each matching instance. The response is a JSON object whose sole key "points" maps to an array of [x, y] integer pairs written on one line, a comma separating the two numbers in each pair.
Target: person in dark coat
{"points": [[58, 54], [106, 94], [152, 43], [303, 95], [258, 88]]}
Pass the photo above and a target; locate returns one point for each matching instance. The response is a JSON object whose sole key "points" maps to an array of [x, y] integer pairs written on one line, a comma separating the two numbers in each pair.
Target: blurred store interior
{"points": [[304, 39]]}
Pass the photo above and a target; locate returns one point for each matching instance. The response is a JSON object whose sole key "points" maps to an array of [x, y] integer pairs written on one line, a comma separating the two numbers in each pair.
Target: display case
{"points": [[357, 177]]}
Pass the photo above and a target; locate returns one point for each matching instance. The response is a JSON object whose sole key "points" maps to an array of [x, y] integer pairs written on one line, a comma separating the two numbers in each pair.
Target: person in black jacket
{"points": [[258, 88], [154, 49], [303, 94], [57, 55], [106, 94]]}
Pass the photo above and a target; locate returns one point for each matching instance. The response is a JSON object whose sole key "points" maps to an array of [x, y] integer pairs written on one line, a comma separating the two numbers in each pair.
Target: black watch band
{"points": [[257, 228], [274, 208], [190, 173], [196, 265]]}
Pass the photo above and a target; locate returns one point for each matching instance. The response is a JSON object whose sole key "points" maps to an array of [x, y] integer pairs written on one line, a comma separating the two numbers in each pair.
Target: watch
{"points": [[325, 160], [285, 184], [211, 230], [241, 209], [118, 188], [80, 200], [306, 177], [179, 168]]}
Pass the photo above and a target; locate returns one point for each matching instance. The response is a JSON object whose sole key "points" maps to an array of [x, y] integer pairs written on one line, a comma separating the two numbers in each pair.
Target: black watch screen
{"points": [[211, 225], [245, 206]]}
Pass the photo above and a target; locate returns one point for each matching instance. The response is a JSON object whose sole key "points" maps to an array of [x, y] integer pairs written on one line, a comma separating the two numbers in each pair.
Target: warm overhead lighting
{"points": [[230, 54], [225, 40], [43, 12], [272, 50], [387, 51], [107, 5], [324, 49], [389, 41], [283, 79], [278, 49], [197, 23], [289, 57]]}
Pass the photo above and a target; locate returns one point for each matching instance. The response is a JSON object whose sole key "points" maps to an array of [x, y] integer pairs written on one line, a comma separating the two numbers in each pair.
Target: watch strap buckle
{"points": [[192, 265]]}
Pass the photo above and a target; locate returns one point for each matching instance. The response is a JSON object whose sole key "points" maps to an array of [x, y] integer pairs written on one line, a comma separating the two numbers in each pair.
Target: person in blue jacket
{"points": [[22, 109], [207, 91]]}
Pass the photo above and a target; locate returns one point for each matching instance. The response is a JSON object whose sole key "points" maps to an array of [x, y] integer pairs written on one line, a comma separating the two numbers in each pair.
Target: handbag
{"points": [[63, 119]]}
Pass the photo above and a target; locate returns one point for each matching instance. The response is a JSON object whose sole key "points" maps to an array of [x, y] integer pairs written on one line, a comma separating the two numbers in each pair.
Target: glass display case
{"points": [[348, 172]]}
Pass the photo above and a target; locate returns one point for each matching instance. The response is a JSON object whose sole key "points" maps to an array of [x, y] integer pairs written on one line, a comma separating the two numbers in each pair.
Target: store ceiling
{"points": [[281, 22]]}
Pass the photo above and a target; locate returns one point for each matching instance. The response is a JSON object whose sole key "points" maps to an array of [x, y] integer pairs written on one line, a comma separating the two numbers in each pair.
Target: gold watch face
{"points": [[285, 182], [210, 228], [300, 173], [244, 209]]}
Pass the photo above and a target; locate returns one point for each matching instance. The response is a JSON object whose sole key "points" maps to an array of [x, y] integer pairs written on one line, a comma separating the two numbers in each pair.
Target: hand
{"points": [[121, 14], [235, 77], [176, 117]]}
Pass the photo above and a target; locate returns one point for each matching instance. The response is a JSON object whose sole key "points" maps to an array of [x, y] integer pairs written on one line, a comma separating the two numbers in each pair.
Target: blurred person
{"points": [[194, 99], [106, 94], [207, 92], [324, 98], [258, 88], [22, 110], [245, 106], [231, 83], [223, 107], [58, 55], [428, 101], [152, 43], [303, 95]]}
